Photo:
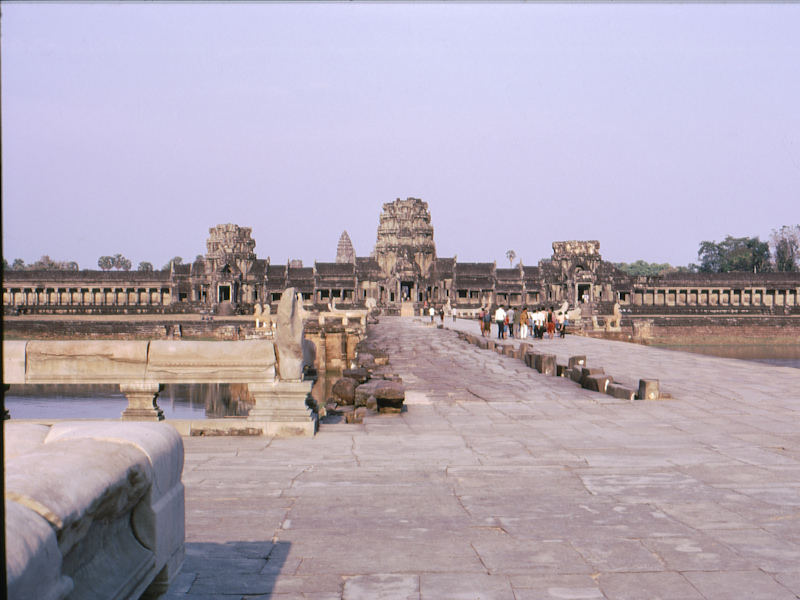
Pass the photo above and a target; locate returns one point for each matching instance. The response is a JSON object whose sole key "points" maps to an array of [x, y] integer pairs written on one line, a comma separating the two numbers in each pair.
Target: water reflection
{"points": [[783, 356], [178, 401]]}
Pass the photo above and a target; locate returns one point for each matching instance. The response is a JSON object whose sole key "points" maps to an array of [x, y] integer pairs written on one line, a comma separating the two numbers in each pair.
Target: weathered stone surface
{"points": [[364, 391], [597, 383], [112, 494], [372, 403], [620, 391], [562, 370], [546, 364], [389, 396], [96, 361], [360, 375], [344, 390], [356, 416], [648, 389], [587, 371], [576, 361], [289, 337], [33, 561], [366, 360]]}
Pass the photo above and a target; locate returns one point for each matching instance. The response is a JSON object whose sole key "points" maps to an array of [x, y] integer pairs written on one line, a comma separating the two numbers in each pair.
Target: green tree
{"points": [[145, 266], [177, 260], [18, 265], [734, 254], [786, 248], [6, 266], [72, 266], [641, 268], [511, 255], [106, 263]]}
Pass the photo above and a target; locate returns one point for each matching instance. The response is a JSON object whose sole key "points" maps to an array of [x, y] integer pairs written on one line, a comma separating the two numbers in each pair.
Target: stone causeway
{"points": [[497, 482]]}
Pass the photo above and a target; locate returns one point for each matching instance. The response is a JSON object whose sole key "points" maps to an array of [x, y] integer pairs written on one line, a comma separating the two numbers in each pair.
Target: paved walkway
{"points": [[502, 483]]}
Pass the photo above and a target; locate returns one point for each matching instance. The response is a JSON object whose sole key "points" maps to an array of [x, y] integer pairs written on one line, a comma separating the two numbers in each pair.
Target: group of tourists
{"points": [[518, 323]]}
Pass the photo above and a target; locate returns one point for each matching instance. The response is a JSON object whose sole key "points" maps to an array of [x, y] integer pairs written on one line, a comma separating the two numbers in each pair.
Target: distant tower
{"points": [[345, 253]]}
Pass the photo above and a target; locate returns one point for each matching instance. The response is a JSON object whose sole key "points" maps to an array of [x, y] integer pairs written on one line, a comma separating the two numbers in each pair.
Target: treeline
{"points": [[781, 253], [106, 263]]}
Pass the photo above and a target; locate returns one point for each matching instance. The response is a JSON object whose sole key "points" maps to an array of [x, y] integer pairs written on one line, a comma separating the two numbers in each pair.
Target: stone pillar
{"points": [[142, 405], [281, 407]]}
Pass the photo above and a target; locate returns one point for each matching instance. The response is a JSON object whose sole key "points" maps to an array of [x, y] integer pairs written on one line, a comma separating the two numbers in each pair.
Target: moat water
{"points": [[781, 356], [219, 401], [178, 401]]}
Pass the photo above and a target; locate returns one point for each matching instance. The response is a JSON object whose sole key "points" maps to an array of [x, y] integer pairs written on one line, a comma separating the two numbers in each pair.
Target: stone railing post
{"points": [[142, 405]]}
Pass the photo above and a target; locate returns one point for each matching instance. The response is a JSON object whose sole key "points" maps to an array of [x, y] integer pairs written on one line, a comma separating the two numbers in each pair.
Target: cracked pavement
{"points": [[497, 482]]}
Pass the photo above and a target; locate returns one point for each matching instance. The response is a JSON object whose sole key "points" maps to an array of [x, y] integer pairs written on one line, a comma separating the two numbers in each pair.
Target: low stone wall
{"points": [[710, 330], [93, 510]]}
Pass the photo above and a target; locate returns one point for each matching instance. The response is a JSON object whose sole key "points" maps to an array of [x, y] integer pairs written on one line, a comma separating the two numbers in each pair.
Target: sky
{"points": [[133, 128]]}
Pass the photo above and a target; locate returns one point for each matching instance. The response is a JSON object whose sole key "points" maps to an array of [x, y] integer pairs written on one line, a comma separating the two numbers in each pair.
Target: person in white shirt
{"points": [[500, 318]]}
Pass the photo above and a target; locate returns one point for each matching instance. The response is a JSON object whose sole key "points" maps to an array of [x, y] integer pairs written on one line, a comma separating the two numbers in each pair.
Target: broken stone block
{"points": [[509, 350], [360, 375], [547, 364], [648, 389], [372, 404], [576, 373], [598, 383], [364, 391], [620, 391], [344, 391], [587, 371], [389, 396], [490, 344], [576, 361], [357, 416], [366, 360], [561, 370]]}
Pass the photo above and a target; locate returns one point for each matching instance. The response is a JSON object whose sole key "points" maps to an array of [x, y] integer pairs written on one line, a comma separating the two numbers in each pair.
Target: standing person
{"points": [[551, 323], [517, 314], [560, 324], [454, 314], [500, 318], [510, 320], [524, 319], [487, 322], [565, 325], [432, 313], [480, 320], [441, 314]]}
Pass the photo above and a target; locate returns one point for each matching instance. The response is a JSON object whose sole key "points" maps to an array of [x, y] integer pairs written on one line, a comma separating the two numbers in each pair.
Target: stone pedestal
{"points": [[142, 405], [281, 407]]}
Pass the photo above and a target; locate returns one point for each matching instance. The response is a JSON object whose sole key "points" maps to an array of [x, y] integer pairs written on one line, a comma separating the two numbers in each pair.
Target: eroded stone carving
{"points": [[292, 350]]}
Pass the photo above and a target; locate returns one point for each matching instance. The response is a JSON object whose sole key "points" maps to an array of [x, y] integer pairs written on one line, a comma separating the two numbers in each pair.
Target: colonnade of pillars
{"points": [[706, 296], [64, 296]]}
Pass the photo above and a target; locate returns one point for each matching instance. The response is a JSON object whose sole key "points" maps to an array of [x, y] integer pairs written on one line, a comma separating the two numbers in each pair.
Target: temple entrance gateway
{"points": [[224, 293], [584, 292], [406, 290]]}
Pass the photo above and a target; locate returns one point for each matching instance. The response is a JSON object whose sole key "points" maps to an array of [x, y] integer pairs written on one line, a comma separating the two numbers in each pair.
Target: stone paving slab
{"points": [[499, 483]]}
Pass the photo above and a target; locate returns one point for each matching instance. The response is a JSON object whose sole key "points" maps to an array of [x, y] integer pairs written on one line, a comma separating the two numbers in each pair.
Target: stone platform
{"points": [[497, 482]]}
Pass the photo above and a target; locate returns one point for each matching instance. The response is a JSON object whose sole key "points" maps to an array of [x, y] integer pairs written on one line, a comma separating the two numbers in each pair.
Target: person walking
{"points": [[454, 314], [551, 323], [500, 318], [510, 320], [432, 312]]}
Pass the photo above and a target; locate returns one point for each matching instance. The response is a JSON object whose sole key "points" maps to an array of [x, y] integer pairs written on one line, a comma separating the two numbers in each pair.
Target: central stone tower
{"points": [[405, 247]]}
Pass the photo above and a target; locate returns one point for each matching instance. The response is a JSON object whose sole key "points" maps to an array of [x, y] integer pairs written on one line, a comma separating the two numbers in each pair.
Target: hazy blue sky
{"points": [[133, 128]]}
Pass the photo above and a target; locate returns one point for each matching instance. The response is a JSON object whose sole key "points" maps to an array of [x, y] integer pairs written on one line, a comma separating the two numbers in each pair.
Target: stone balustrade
{"points": [[142, 368], [93, 510]]}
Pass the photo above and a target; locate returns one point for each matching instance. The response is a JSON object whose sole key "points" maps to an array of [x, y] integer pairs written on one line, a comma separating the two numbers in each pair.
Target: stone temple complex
{"points": [[402, 271]]}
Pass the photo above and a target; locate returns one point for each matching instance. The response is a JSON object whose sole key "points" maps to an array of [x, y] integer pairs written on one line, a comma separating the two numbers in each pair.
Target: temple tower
{"points": [[345, 253], [405, 239], [229, 258]]}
